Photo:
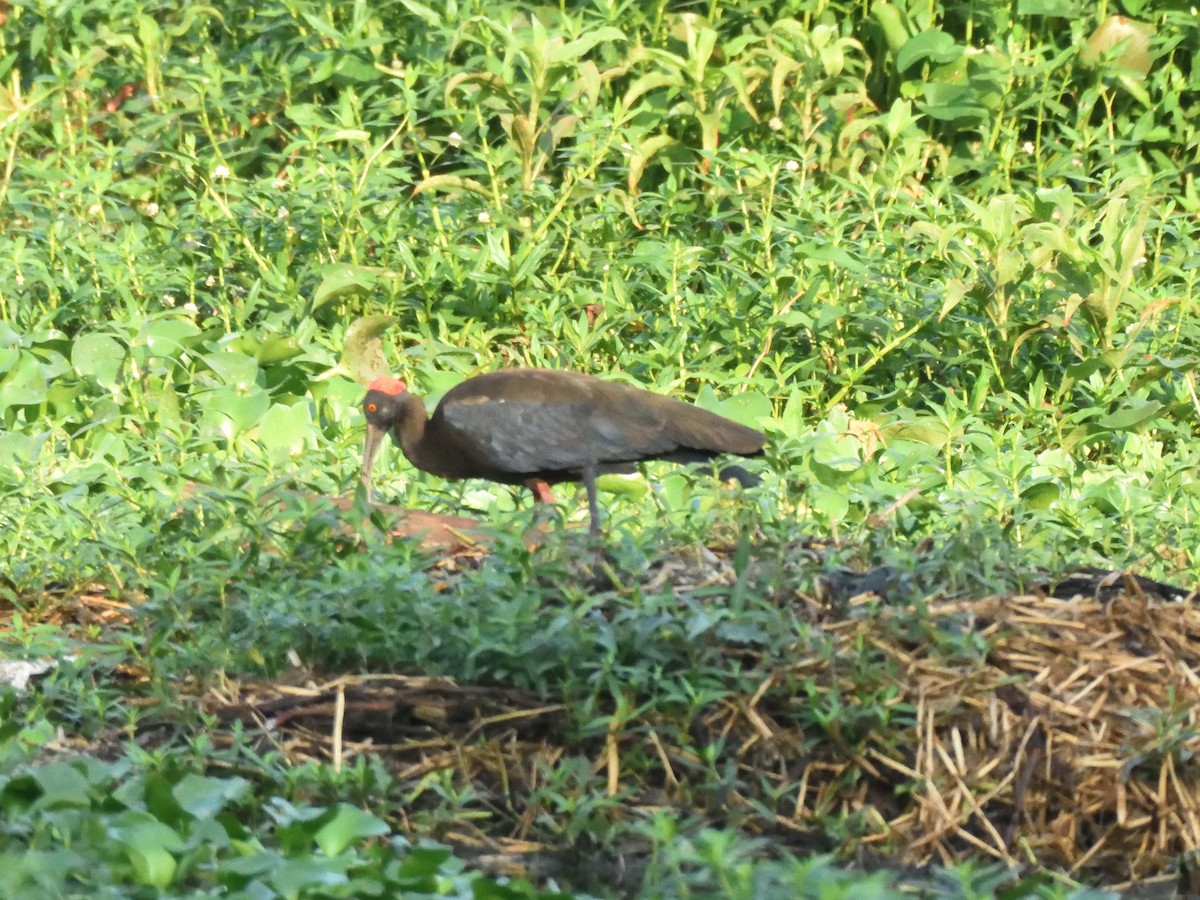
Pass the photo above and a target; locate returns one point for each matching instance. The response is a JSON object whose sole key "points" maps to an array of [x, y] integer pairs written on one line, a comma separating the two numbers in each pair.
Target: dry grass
{"points": [[1070, 744]]}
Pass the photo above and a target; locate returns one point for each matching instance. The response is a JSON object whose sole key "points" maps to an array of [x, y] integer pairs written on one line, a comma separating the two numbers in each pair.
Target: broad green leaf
{"points": [[891, 20], [748, 407], [62, 784], [832, 504], [204, 797], [294, 876], [286, 430], [622, 485], [20, 451], [1132, 416], [933, 45], [168, 336], [573, 50], [8, 358], [98, 356], [1040, 495], [899, 118], [350, 824], [25, 383], [236, 370], [308, 115], [231, 412], [342, 278], [149, 844]]}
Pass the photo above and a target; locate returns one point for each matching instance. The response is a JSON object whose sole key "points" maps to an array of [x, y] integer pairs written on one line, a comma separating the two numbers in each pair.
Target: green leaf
{"points": [[933, 45], [229, 412], [891, 21], [62, 784], [622, 485], [572, 50], [832, 504], [25, 383], [308, 115], [1132, 416], [831, 253], [168, 336], [425, 13], [1063, 9], [276, 349], [295, 875], [343, 278], [237, 370], [98, 356], [9, 356], [1040, 495], [350, 824], [149, 844], [204, 797], [286, 431]]}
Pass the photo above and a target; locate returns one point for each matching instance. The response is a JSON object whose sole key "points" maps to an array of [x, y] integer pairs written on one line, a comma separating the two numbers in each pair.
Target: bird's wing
{"points": [[525, 436]]}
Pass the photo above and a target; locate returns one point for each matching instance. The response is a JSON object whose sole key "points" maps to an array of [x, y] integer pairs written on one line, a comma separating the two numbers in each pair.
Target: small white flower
{"points": [[1027, 147], [210, 281], [20, 280], [485, 217], [283, 213], [95, 209], [455, 139], [220, 172], [151, 209], [792, 166], [191, 309], [775, 123], [168, 299]]}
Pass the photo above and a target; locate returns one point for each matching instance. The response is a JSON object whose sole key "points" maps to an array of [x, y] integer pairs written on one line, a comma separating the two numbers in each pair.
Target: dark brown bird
{"points": [[538, 427]]}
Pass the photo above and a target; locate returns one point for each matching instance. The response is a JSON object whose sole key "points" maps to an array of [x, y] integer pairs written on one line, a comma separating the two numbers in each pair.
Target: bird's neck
{"points": [[409, 429]]}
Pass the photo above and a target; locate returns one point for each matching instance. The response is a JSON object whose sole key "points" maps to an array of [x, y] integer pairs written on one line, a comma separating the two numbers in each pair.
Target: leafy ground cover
{"points": [[942, 254]]}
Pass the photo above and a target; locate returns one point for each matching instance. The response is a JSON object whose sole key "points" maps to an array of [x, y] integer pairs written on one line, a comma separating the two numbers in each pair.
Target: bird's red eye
{"points": [[371, 408]]}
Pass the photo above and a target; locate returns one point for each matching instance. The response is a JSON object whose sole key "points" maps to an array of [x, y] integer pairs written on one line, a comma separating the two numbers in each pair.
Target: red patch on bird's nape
{"points": [[386, 384]]}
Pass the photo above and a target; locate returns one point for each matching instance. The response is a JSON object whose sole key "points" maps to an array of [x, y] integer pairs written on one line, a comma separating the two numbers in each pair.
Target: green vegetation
{"points": [[943, 254]]}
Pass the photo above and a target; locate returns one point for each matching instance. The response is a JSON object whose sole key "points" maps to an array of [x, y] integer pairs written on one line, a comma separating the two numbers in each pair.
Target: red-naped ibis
{"points": [[538, 427]]}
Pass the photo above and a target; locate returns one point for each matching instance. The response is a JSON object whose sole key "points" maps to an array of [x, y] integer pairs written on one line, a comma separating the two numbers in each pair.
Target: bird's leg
{"points": [[589, 482], [541, 490], [544, 508]]}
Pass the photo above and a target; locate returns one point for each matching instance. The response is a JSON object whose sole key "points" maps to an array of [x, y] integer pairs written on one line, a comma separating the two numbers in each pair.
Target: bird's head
{"points": [[382, 406]]}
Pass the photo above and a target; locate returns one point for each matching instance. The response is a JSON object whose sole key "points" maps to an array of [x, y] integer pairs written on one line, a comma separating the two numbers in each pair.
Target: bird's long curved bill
{"points": [[374, 440]]}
